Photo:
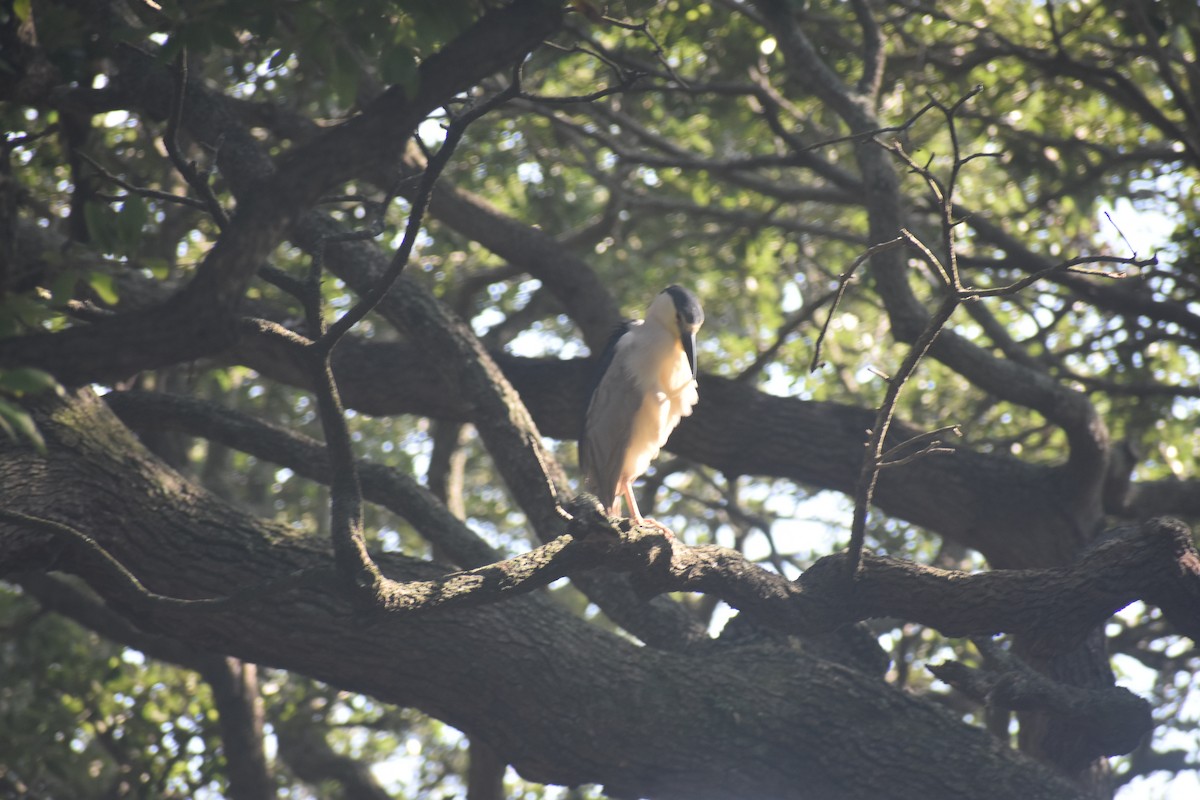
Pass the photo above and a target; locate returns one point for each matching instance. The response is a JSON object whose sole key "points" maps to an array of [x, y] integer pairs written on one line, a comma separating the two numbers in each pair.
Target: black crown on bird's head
{"points": [[687, 306]]}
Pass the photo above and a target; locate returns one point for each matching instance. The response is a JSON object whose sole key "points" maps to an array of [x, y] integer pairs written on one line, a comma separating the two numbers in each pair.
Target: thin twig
{"points": [[25, 139], [420, 204], [956, 294], [133, 592], [1070, 265], [806, 313], [921, 437], [933, 448], [939, 268], [869, 473], [878, 373], [843, 281], [644, 29], [1120, 233], [140, 190], [356, 568], [627, 82], [171, 141]]}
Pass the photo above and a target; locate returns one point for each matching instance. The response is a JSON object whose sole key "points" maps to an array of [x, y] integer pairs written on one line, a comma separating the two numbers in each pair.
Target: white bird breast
{"points": [[655, 360]]}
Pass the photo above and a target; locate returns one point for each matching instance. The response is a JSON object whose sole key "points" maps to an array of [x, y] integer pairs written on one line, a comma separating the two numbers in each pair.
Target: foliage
{"points": [[716, 164]]}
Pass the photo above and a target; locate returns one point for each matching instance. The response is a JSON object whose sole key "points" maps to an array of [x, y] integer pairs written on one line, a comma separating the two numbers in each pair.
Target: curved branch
{"points": [[521, 666], [199, 320], [1053, 609], [390, 488], [1115, 719], [569, 278], [739, 430], [1018, 383], [1117, 298], [225, 551]]}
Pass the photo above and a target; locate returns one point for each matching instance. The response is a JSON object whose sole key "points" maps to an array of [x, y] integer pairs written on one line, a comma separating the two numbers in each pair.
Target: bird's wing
{"points": [[608, 423]]}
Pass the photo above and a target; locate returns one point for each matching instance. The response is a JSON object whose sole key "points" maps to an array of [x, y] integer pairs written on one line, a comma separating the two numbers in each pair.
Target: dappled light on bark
{"points": [[299, 310]]}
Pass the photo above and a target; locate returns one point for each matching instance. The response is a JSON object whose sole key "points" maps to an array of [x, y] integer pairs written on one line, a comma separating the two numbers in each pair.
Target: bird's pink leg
{"points": [[636, 515], [615, 509]]}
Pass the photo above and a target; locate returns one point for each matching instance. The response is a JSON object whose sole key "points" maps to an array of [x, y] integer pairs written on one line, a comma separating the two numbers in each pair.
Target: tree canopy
{"points": [[298, 304]]}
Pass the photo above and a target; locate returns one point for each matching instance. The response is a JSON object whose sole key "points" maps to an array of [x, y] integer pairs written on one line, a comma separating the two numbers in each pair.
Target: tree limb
{"points": [[573, 667]]}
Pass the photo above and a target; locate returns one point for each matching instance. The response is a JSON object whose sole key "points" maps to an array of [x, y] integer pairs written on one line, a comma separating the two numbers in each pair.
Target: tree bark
{"points": [[560, 700], [1011, 511]]}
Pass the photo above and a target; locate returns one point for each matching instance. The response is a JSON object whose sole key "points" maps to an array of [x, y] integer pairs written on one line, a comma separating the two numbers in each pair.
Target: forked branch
{"points": [[955, 292], [1052, 608]]}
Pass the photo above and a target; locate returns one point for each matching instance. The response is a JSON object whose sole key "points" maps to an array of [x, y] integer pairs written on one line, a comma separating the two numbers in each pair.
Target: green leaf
{"points": [[62, 288], [130, 221], [101, 226], [22, 9], [17, 422], [27, 380], [104, 287], [159, 267], [398, 66], [20, 312]]}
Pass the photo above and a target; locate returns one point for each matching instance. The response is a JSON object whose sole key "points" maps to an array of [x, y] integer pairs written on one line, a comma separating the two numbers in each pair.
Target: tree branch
{"points": [[198, 321], [1115, 719], [966, 496], [1053, 609], [650, 694], [393, 489]]}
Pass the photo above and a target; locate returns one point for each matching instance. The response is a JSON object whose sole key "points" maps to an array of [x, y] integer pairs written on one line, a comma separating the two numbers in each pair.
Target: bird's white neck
{"points": [[658, 362]]}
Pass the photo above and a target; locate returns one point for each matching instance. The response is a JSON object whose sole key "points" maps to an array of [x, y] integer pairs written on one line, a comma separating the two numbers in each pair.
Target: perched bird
{"points": [[646, 384]]}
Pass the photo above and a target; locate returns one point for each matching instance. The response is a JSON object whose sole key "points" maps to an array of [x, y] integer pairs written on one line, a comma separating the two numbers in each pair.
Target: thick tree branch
{"points": [[505, 425], [739, 430], [393, 489], [401, 658], [1116, 720], [1051, 608], [511, 437], [199, 321]]}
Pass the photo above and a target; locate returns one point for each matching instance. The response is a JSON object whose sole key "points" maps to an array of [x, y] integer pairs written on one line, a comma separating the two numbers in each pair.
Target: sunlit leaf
{"points": [[104, 286], [27, 380], [17, 423]]}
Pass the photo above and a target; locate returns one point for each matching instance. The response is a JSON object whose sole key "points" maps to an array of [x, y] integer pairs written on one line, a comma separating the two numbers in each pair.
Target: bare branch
{"points": [[433, 170], [125, 587], [873, 48], [142, 191], [892, 457], [843, 282], [1070, 265], [354, 563], [187, 168], [1054, 608], [390, 488], [869, 474], [1114, 718]]}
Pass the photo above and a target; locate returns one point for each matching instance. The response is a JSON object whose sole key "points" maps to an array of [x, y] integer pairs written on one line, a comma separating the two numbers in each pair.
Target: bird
{"points": [[645, 384]]}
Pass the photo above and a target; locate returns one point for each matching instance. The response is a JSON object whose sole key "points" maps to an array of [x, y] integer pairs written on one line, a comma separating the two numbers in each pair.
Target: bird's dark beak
{"points": [[688, 339]]}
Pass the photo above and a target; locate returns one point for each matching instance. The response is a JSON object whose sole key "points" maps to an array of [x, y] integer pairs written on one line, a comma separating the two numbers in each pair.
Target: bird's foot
{"points": [[656, 524]]}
